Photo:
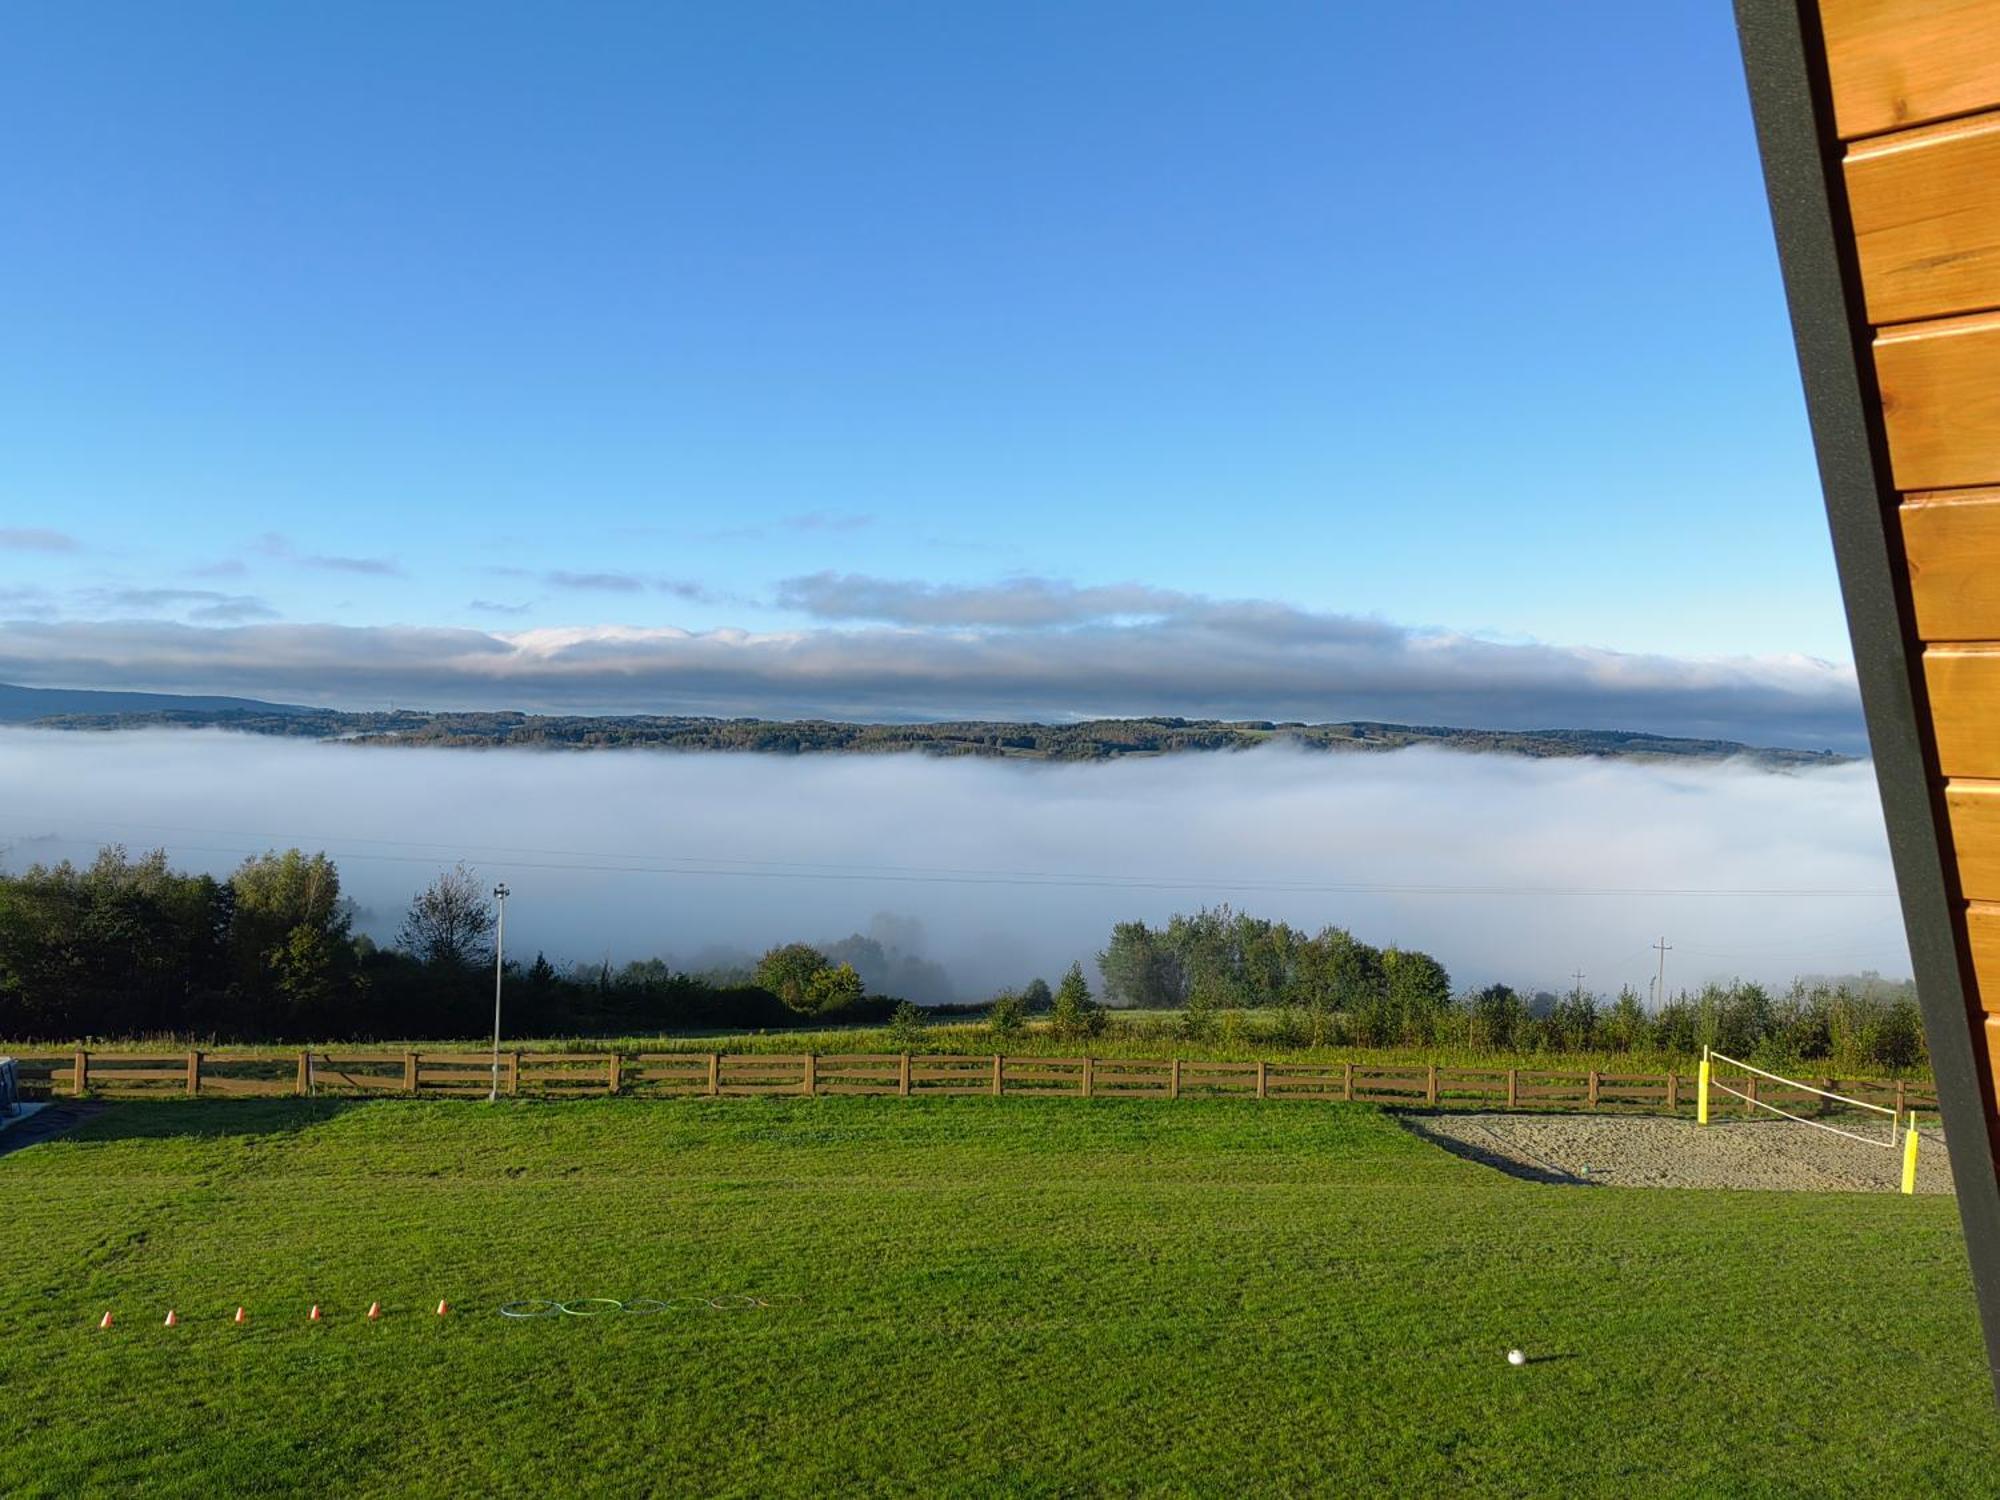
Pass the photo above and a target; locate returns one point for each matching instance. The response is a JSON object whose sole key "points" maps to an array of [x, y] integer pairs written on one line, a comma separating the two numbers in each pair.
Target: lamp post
{"points": [[499, 964]]}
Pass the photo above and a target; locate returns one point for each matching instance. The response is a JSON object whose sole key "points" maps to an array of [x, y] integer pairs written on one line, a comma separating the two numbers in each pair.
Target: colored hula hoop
{"points": [[534, 1307], [592, 1307], [733, 1301], [650, 1304]]}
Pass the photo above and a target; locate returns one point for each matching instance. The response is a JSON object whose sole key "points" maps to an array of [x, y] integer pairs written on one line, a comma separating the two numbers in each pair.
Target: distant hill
{"points": [[1097, 739], [24, 705]]}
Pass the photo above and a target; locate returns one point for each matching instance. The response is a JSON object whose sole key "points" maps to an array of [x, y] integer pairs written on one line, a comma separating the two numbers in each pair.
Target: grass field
{"points": [[998, 1296]]}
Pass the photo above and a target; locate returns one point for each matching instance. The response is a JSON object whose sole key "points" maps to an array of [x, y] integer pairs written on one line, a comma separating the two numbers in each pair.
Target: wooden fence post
{"points": [[82, 1073], [513, 1074], [714, 1074], [1174, 1080], [1592, 1096], [1261, 1088], [1673, 1093], [1513, 1087], [809, 1083], [194, 1073], [1347, 1082], [903, 1077], [611, 1074], [1899, 1098], [1086, 1076], [996, 1075], [304, 1086], [1750, 1096], [409, 1072], [1431, 1084]]}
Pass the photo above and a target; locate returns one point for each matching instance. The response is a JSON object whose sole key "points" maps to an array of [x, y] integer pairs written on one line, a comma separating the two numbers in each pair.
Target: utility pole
{"points": [[499, 967], [1660, 989], [1577, 975]]}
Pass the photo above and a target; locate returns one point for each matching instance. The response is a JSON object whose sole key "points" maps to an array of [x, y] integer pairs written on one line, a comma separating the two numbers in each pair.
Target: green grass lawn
{"points": [[999, 1296]]}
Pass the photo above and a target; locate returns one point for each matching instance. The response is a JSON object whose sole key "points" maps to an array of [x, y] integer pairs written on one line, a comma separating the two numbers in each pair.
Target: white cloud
{"points": [[1507, 868]]}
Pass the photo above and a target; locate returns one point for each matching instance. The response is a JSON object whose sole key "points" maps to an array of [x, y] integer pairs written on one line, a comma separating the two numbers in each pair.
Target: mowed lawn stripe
{"points": [[998, 1296]]}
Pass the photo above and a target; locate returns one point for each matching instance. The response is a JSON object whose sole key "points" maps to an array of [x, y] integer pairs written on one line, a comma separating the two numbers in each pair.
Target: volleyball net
{"points": [[1871, 1124]]}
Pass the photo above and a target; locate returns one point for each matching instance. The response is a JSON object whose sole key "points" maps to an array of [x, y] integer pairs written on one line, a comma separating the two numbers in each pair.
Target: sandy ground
{"points": [[1652, 1151]]}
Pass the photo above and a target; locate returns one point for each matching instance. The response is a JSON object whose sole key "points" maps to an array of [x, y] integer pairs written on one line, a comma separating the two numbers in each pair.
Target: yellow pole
{"points": [[1910, 1155], [1701, 1096]]}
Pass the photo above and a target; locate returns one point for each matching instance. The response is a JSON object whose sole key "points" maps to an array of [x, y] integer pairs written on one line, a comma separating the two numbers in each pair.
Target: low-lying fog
{"points": [[1504, 868]]}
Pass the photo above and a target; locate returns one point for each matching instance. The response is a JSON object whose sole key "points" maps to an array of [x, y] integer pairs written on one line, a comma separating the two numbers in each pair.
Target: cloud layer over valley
{"points": [[1507, 868]]}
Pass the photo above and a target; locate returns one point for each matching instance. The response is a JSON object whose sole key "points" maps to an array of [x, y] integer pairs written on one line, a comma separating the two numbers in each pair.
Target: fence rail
{"points": [[312, 1072]]}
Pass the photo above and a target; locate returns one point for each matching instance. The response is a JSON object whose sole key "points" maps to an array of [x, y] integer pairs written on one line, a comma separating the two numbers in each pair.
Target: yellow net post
{"points": [[1701, 1092], [1910, 1156]]}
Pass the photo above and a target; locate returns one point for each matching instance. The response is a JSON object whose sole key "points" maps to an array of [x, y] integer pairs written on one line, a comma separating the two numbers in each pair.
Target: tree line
{"points": [[1329, 988], [132, 947]]}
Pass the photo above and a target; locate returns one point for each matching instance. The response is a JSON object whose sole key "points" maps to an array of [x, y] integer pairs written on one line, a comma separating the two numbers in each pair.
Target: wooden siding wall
{"points": [[1916, 102]]}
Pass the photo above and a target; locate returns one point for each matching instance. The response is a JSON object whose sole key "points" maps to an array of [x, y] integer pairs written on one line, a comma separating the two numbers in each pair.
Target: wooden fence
{"points": [[732, 1074]]}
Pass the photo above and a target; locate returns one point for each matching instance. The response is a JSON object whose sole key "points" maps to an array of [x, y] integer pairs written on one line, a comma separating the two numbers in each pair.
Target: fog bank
{"points": [[1504, 868]]}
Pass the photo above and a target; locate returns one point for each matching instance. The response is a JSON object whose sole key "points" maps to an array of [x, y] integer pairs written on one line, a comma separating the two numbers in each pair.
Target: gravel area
{"points": [[1653, 1151]]}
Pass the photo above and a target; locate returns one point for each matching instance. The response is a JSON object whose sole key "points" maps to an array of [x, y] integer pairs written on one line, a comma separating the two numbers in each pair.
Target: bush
{"points": [[1008, 1014], [907, 1022], [1076, 1016]]}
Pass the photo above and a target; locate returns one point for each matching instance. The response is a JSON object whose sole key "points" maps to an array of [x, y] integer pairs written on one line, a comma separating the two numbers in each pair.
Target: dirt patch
{"points": [[1652, 1151]]}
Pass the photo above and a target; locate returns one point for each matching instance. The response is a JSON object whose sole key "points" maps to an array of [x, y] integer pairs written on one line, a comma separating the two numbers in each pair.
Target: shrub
{"points": [[1008, 1014], [906, 1022]]}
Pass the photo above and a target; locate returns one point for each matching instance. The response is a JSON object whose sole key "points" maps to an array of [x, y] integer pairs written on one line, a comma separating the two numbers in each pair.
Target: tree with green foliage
{"points": [[1418, 991], [788, 973], [836, 987], [1076, 1014], [289, 935], [1140, 969], [1007, 1016], [1037, 997], [907, 1022]]}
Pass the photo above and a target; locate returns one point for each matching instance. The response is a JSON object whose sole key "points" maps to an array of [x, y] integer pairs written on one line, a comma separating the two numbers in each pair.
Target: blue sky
{"points": [[343, 342]]}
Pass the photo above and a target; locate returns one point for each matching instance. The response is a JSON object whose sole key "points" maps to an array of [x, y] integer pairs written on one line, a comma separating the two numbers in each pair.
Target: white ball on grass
{"points": [[1516, 1357]]}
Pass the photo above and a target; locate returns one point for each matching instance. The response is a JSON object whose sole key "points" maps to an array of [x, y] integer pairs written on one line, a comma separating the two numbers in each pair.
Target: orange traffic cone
{"points": [[443, 1307], [313, 1316], [173, 1318], [107, 1319], [374, 1311], [242, 1316]]}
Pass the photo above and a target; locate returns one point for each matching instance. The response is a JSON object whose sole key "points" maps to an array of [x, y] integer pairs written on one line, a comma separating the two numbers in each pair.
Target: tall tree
{"points": [[450, 923]]}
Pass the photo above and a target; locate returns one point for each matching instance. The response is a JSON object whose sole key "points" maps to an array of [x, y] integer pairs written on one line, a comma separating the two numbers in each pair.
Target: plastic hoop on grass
{"points": [[534, 1307], [733, 1302], [591, 1307], [782, 1299], [645, 1305]]}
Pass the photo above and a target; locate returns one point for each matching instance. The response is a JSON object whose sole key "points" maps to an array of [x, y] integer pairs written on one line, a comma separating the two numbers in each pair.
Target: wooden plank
{"points": [[333, 1078], [104, 1061], [456, 1059], [1992, 1031], [880, 1090], [1893, 63], [1940, 386], [347, 1059], [251, 1087], [430, 1077], [1927, 219], [1982, 922], [102, 1077], [1964, 685], [1973, 810], [1952, 542]]}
